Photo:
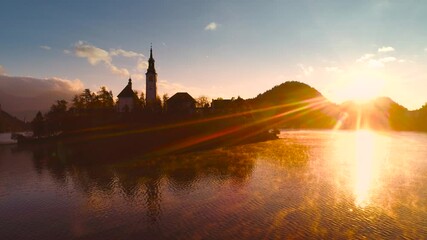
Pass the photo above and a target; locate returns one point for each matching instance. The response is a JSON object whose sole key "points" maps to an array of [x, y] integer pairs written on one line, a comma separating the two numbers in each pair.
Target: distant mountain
{"points": [[381, 113], [25, 108], [295, 105], [291, 91], [9, 123]]}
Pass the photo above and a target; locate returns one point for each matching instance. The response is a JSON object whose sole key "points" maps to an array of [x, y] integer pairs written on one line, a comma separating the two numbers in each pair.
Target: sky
{"points": [[344, 49]]}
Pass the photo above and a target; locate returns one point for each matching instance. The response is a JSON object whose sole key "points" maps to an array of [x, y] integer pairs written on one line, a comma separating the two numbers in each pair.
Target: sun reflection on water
{"points": [[370, 155]]}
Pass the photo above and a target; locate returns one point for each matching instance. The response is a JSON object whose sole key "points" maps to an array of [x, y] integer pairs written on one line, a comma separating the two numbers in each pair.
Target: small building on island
{"points": [[126, 97], [181, 103]]}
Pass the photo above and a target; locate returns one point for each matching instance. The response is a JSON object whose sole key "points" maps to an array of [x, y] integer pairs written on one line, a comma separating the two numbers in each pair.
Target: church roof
{"points": [[181, 97], [127, 91]]}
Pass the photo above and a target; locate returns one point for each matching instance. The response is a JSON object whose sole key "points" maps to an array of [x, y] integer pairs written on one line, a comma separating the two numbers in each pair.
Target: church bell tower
{"points": [[151, 80]]}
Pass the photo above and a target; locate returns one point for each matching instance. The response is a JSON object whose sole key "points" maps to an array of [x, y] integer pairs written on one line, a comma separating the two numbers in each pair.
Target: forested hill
{"points": [[8, 123], [288, 92], [295, 105]]}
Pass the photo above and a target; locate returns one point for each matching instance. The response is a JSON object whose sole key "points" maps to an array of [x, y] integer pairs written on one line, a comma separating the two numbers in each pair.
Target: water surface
{"points": [[309, 184]]}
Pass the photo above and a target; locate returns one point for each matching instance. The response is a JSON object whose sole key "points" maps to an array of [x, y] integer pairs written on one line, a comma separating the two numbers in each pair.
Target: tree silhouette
{"points": [[56, 117], [202, 102], [38, 125]]}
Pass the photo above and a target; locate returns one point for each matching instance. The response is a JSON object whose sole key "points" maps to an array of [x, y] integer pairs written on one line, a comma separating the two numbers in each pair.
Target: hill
{"points": [[381, 114], [9, 123], [294, 105]]}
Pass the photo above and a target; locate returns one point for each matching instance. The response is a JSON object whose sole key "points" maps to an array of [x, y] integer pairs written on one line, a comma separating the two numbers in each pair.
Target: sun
{"points": [[361, 88], [363, 91]]}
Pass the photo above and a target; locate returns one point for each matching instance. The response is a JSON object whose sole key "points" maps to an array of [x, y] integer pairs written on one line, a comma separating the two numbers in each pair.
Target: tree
{"points": [[88, 98], [84, 101], [142, 101], [139, 102], [38, 125], [202, 102], [165, 99], [105, 99], [56, 116]]}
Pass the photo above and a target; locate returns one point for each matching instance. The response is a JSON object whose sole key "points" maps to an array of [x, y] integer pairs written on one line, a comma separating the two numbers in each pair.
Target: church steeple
{"points": [[151, 80], [151, 62]]}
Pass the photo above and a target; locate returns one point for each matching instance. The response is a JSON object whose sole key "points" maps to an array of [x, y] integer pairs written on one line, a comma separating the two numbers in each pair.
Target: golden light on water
{"points": [[364, 171], [370, 155], [361, 161]]}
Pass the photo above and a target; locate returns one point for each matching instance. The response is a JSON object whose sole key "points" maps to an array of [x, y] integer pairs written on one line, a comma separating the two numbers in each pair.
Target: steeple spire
{"points": [[151, 80], [151, 62]]}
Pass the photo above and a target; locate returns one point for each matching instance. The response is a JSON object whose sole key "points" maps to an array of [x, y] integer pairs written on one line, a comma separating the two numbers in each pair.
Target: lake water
{"points": [[309, 184]]}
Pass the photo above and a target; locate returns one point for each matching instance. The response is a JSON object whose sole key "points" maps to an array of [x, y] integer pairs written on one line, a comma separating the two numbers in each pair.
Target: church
{"points": [[180, 103]]}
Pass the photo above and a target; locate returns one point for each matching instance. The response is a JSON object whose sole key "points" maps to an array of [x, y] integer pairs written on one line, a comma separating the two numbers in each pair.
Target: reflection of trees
{"points": [[140, 178]]}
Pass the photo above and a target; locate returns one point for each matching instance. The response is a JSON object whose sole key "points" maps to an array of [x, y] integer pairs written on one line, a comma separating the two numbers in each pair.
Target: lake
{"points": [[308, 184]]}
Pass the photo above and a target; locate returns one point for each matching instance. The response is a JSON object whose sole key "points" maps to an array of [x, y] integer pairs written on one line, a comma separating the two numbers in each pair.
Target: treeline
{"points": [[97, 109], [91, 110]]}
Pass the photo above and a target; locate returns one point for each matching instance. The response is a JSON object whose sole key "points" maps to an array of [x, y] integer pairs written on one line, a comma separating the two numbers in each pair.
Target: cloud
{"points": [[381, 62], [425, 49], [2, 70], [45, 47], [138, 76], [124, 53], [24, 96], [171, 88], [307, 70], [385, 49], [375, 63], [141, 65], [211, 26], [93, 54], [387, 59], [118, 71], [365, 57]]}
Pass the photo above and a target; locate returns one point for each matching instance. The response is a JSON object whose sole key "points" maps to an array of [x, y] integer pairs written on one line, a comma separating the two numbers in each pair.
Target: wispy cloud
{"points": [[141, 65], [377, 62], [385, 49], [365, 57], [124, 53], [381, 62], [425, 49], [118, 71], [387, 59], [172, 88], [2, 70], [211, 26], [45, 47], [95, 55], [307, 70]]}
